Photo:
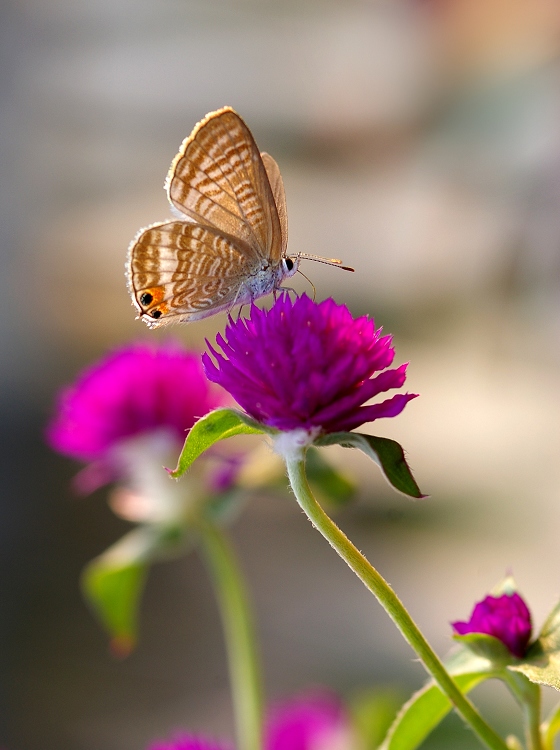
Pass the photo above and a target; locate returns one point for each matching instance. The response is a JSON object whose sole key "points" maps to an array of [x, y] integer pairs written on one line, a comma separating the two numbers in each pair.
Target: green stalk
{"points": [[528, 695], [389, 601], [239, 633]]}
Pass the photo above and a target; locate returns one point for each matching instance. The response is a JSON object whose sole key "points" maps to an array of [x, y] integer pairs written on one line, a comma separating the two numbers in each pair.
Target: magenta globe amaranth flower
{"points": [[138, 390], [307, 365], [189, 742], [313, 721], [505, 617]]}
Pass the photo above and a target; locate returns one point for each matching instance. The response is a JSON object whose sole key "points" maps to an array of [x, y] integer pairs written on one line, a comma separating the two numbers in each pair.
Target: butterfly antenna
{"points": [[329, 261], [312, 284]]}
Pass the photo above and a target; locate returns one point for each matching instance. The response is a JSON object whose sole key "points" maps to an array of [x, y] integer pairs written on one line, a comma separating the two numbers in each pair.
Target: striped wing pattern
{"points": [[185, 271], [230, 244], [218, 179]]}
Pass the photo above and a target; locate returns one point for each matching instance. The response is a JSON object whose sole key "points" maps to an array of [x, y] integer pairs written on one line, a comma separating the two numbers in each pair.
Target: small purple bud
{"points": [[505, 617]]}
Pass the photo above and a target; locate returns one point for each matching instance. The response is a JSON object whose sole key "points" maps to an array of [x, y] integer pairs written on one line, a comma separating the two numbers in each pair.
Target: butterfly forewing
{"points": [[181, 270], [229, 247], [218, 179]]}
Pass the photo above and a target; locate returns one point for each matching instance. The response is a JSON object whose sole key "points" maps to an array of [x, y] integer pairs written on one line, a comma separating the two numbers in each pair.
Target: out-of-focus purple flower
{"points": [[506, 617], [314, 721], [225, 472], [189, 742], [136, 390], [307, 365]]}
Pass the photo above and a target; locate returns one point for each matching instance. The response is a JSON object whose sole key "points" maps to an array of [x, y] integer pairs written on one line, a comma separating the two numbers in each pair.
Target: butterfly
{"points": [[228, 245]]}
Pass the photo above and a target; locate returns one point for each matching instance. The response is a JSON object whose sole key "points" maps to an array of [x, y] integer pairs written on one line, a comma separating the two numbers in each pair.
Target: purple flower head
{"points": [[136, 390], [189, 742], [315, 721], [307, 365], [505, 617]]}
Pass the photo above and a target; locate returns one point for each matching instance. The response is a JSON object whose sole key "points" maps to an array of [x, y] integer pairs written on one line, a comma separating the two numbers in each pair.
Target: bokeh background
{"points": [[419, 142]]}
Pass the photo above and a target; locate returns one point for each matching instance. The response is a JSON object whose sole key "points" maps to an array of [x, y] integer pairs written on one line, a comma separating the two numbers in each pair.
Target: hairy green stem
{"points": [[239, 633], [389, 601]]}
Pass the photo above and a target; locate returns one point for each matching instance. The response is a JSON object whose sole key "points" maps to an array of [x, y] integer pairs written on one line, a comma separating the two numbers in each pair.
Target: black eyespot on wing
{"points": [[156, 314], [289, 263], [146, 298]]}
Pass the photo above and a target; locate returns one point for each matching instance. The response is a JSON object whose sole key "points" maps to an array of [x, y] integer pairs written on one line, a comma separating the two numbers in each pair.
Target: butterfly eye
{"points": [[146, 298], [290, 266], [156, 314]]}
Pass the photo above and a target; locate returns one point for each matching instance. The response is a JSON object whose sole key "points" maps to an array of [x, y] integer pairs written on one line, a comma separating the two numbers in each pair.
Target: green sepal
{"points": [[488, 647], [388, 454], [113, 583], [216, 425], [326, 481], [506, 586], [429, 706], [542, 661]]}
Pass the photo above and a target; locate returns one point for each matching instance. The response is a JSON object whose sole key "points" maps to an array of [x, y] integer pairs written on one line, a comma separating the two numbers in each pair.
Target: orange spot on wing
{"points": [[157, 293], [163, 308]]}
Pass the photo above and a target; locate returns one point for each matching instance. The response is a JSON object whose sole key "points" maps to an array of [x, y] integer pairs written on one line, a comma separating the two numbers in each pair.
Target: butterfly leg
{"points": [[240, 311], [235, 302], [286, 289]]}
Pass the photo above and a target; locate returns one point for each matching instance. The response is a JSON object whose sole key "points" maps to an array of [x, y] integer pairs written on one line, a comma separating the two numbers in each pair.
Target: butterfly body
{"points": [[228, 245]]}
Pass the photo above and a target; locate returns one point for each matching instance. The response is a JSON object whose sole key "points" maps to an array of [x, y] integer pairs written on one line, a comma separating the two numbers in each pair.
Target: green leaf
{"points": [[329, 482], [216, 425], [542, 661], [429, 706], [544, 670], [549, 637], [423, 712], [388, 454], [486, 646], [113, 582], [373, 712]]}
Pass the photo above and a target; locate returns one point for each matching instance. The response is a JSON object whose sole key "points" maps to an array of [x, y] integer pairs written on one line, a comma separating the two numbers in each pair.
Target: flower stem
{"points": [[239, 633], [528, 695], [389, 601]]}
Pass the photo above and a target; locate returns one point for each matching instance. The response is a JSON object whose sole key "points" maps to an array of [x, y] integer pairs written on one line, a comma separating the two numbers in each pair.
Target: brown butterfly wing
{"points": [[277, 186], [181, 271], [218, 179]]}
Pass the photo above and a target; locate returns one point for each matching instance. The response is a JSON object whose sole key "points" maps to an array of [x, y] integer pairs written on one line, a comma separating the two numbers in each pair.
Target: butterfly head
{"points": [[289, 266]]}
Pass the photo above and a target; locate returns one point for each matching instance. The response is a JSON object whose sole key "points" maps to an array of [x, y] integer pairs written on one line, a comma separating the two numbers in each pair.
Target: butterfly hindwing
{"points": [[277, 187], [180, 270]]}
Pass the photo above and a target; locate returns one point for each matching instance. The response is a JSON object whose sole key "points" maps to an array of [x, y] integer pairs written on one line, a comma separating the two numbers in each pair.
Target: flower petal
{"points": [[306, 365]]}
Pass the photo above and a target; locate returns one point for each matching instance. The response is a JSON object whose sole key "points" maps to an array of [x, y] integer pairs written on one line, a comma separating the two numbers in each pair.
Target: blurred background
{"points": [[419, 142]]}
